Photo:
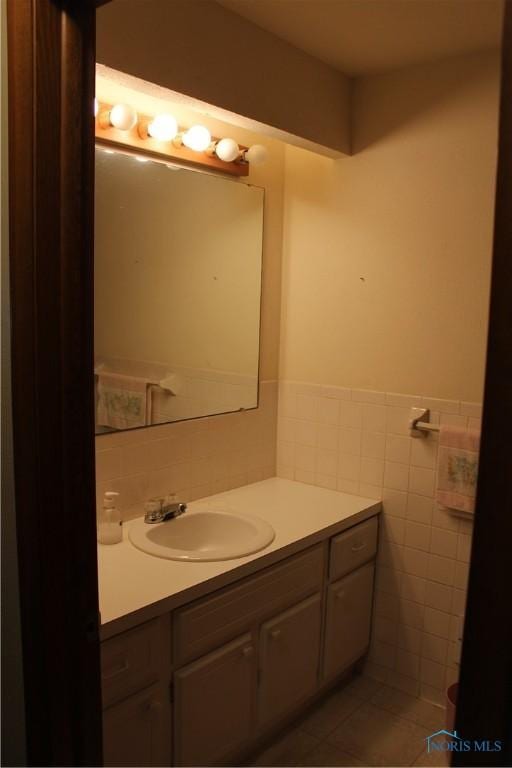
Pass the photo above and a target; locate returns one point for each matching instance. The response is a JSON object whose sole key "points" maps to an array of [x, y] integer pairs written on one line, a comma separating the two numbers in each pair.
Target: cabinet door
{"points": [[213, 703], [348, 622], [137, 731], [289, 658]]}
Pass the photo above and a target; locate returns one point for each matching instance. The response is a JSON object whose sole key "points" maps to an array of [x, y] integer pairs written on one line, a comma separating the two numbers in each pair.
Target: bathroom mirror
{"points": [[177, 292]]}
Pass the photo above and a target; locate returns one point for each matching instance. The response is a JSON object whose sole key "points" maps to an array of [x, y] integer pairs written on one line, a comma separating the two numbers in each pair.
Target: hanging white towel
{"points": [[152, 373], [457, 468], [123, 402]]}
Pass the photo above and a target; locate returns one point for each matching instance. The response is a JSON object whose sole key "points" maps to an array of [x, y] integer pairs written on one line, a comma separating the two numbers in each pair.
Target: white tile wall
{"points": [[355, 441], [191, 458], [358, 442]]}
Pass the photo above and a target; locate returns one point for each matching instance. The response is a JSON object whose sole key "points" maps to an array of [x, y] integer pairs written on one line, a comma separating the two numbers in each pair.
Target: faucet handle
{"points": [[153, 510]]}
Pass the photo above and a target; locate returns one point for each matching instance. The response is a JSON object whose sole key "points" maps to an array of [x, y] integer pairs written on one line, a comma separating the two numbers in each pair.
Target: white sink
{"points": [[203, 535]]}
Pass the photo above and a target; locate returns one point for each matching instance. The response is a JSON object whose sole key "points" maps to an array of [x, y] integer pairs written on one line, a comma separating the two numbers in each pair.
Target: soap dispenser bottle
{"points": [[110, 528]]}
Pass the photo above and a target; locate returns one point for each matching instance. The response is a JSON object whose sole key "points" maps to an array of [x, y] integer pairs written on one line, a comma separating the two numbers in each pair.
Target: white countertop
{"points": [[134, 586]]}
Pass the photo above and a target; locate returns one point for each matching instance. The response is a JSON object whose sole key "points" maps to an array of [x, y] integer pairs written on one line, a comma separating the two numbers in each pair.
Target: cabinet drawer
{"points": [[213, 620], [131, 661], [352, 548]]}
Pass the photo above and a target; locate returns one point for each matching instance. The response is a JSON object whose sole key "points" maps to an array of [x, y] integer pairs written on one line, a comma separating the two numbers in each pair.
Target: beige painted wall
{"points": [[206, 52], [387, 253]]}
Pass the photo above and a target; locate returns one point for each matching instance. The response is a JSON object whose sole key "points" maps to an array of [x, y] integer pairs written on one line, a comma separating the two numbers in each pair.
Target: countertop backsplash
{"points": [[193, 458]]}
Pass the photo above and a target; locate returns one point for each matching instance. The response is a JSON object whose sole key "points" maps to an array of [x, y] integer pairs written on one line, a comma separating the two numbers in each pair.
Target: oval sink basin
{"points": [[203, 536]]}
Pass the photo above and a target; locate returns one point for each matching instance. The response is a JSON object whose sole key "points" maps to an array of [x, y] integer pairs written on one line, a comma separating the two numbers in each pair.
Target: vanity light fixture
{"points": [[120, 116], [163, 128], [255, 155], [197, 138], [159, 135], [227, 150]]}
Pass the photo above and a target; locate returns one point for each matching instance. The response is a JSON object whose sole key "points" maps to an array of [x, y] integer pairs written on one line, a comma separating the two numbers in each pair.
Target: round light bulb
{"points": [[197, 138], [227, 150], [256, 154], [123, 117], [140, 159], [163, 128]]}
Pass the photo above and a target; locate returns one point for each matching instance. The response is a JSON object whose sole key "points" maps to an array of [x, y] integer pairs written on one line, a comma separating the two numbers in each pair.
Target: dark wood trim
{"points": [[485, 692], [51, 176]]}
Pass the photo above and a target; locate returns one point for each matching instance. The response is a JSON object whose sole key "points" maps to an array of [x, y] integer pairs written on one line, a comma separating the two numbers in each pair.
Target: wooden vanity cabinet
{"points": [[245, 657], [217, 697]]}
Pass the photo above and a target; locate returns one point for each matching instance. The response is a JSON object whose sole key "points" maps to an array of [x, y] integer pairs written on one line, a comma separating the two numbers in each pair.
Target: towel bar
{"points": [[426, 427], [419, 422]]}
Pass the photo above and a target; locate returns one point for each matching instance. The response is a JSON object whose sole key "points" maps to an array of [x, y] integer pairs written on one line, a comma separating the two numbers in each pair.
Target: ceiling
{"points": [[360, 37]]}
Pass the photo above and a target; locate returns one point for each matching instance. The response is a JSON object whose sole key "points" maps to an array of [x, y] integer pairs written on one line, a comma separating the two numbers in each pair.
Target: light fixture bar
{"points": [[139, 138]]}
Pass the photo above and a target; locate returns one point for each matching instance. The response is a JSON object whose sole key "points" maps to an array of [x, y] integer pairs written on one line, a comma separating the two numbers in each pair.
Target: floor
{"points": [[363, 723]]}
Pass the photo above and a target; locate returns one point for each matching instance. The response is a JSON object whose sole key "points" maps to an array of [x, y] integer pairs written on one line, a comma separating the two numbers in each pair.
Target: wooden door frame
{"points": [[485, 691], [51, 52]]}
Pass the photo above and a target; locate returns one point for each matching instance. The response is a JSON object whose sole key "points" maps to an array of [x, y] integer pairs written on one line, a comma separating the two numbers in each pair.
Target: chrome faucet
{"points": [[160, 510]]}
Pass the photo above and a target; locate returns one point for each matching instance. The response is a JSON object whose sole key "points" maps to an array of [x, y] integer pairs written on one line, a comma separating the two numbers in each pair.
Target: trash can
{"points": [[451, 705]]}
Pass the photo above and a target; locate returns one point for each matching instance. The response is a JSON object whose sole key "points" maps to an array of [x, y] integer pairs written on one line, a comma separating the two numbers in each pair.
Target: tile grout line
{"points": [[362, 702], [344, 718], [417, 756], [367, 700], [381, 709]]}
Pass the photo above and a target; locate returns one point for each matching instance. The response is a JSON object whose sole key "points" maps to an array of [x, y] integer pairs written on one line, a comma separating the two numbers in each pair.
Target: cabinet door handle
{"points": [[248, 651], [358, 547], [275, 633], [122, 667]]}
